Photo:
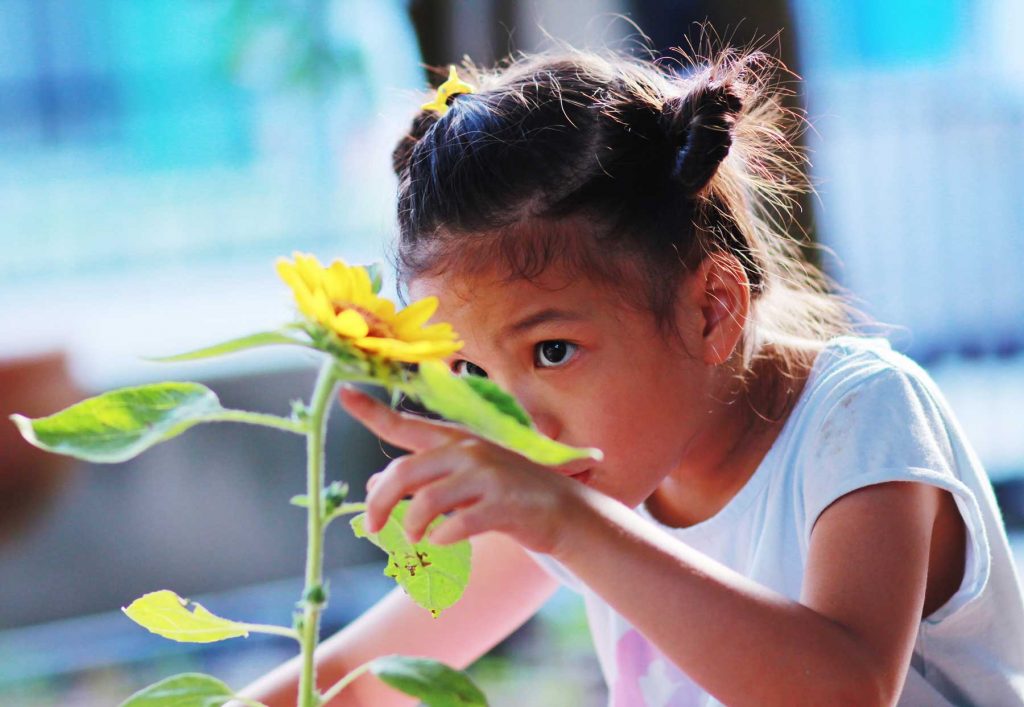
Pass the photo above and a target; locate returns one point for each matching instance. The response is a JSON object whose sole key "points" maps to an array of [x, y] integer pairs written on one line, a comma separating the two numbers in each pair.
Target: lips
{"points": [[574, 467], [583, 477], [579, 470]]}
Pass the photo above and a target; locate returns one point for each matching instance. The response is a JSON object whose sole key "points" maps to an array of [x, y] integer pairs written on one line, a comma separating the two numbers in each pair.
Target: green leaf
{"points": [[487, 411], [375, 271], [184, 690], [434, 576], [266, 338], [489, 391], [166, 614], [121, 424], [435, 684]]}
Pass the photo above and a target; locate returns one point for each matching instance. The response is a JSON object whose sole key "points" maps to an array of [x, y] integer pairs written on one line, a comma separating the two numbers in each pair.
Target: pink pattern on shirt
{"points": [[634, 658]]}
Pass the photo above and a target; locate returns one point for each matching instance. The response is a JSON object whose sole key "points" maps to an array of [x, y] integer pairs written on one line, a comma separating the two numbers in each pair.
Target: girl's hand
{"points": [[452, 470]]}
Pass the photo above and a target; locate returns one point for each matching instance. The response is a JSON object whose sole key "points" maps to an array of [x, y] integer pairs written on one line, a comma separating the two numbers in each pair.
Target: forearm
{"points": [[280, 687], [740, 641], [506, 588], [335, 658]]}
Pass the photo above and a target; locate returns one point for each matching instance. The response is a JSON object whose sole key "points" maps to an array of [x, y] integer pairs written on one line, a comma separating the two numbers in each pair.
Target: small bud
{"points": [[300, 411], [316, 595], [334, 495]]}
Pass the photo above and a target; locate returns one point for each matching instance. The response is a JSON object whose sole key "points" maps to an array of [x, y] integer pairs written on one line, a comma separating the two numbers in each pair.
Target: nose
{"points": [[546, 424], [544, 417]]}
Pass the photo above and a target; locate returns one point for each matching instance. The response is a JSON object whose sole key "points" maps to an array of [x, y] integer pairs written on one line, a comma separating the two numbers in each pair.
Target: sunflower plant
{"points": [[363, 338]]}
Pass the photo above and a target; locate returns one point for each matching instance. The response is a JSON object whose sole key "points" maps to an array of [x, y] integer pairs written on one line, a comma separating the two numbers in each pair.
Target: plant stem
{"points": [[319, 409], [344, 682], [258, 418], [276, 630]]}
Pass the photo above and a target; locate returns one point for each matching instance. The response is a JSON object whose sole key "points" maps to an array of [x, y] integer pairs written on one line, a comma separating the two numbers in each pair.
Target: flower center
{"points": [[378, 327]]}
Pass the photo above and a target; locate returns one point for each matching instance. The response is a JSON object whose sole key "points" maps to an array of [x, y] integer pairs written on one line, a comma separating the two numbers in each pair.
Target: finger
{"points": [[404, 476], [450, 493], [462, 525], [397, 428]]}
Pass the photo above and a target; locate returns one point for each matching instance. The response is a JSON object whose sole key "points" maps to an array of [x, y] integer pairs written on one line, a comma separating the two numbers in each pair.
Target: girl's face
{"points": [[591, 370]]}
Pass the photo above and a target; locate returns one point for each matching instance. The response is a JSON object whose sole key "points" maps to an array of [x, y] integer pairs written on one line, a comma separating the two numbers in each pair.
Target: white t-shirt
{"points": [[867, 415]]}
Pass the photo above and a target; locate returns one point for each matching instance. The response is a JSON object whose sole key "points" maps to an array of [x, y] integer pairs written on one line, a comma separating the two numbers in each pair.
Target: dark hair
{"points": [[626, 171]]}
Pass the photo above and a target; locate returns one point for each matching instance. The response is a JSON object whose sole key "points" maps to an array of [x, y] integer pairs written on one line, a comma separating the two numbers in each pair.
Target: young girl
{"points": [[786, 512]]}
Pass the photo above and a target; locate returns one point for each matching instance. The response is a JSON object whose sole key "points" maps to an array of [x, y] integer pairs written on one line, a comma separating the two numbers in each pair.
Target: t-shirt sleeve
{"points": [[890, 427]]}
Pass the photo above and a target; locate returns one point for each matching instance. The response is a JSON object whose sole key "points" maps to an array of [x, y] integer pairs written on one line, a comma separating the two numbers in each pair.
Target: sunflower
{"points": [[341, 298]]}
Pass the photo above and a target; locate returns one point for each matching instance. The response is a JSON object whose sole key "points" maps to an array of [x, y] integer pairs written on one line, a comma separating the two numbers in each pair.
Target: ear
{"points": [[720, 291]]}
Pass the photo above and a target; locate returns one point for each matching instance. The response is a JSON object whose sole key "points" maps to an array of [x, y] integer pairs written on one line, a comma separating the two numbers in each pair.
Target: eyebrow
{"points": [[541, 317]]}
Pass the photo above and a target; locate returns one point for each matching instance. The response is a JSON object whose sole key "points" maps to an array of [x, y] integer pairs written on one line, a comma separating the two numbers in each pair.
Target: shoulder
{"points": [[862, 386], [875, 418], [848, 367], [870, 415]]}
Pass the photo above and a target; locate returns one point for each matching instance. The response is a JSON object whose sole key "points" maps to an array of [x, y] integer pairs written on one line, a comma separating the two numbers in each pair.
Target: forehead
{"points": [[494, 297]]}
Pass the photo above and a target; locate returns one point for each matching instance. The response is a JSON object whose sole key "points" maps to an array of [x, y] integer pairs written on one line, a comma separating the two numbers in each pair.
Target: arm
{"points": [[506, 588], [847, 642]]}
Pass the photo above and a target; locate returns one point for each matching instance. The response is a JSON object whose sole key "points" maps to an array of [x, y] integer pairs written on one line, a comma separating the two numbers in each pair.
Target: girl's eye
{"points": [[465, 368], [554, 353]]}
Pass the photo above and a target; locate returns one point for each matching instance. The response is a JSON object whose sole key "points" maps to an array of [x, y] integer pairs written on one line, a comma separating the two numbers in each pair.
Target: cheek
{"points": [[647, 424]]}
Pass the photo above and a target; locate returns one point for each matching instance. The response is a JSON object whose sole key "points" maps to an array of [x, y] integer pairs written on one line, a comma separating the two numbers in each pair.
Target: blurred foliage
{"points": [[288, 44]]}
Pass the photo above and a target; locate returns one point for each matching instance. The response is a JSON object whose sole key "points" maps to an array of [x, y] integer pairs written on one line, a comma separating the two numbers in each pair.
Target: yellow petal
{"points": [[416, 314], [378, 345], [434, 332], [307, 304], [302, 295], [408, 352], [309, 269], [361, 284], [383, 309], [323, 311], [350, 324], [338, 282], [287, 272], [283, 266]]}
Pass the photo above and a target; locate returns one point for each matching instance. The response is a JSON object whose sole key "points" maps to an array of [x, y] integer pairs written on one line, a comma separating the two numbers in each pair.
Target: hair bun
{"points": [[699, 125], [402, 154]]}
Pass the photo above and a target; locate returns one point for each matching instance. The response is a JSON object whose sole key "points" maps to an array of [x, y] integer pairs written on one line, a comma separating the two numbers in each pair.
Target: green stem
{"points": [[276, 630], [344, 510], [344, 682], [258, 418], [318, 411]]}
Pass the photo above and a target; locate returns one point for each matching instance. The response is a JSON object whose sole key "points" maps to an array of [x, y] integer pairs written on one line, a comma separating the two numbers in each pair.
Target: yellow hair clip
{"points": [[454, 85]]}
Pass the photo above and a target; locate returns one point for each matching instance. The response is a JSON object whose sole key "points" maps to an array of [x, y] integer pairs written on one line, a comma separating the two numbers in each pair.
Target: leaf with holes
{"points": [[434, 576]]}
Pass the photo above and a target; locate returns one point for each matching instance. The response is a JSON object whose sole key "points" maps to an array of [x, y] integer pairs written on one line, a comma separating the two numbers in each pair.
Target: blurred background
{"points": [[155, 157]]}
